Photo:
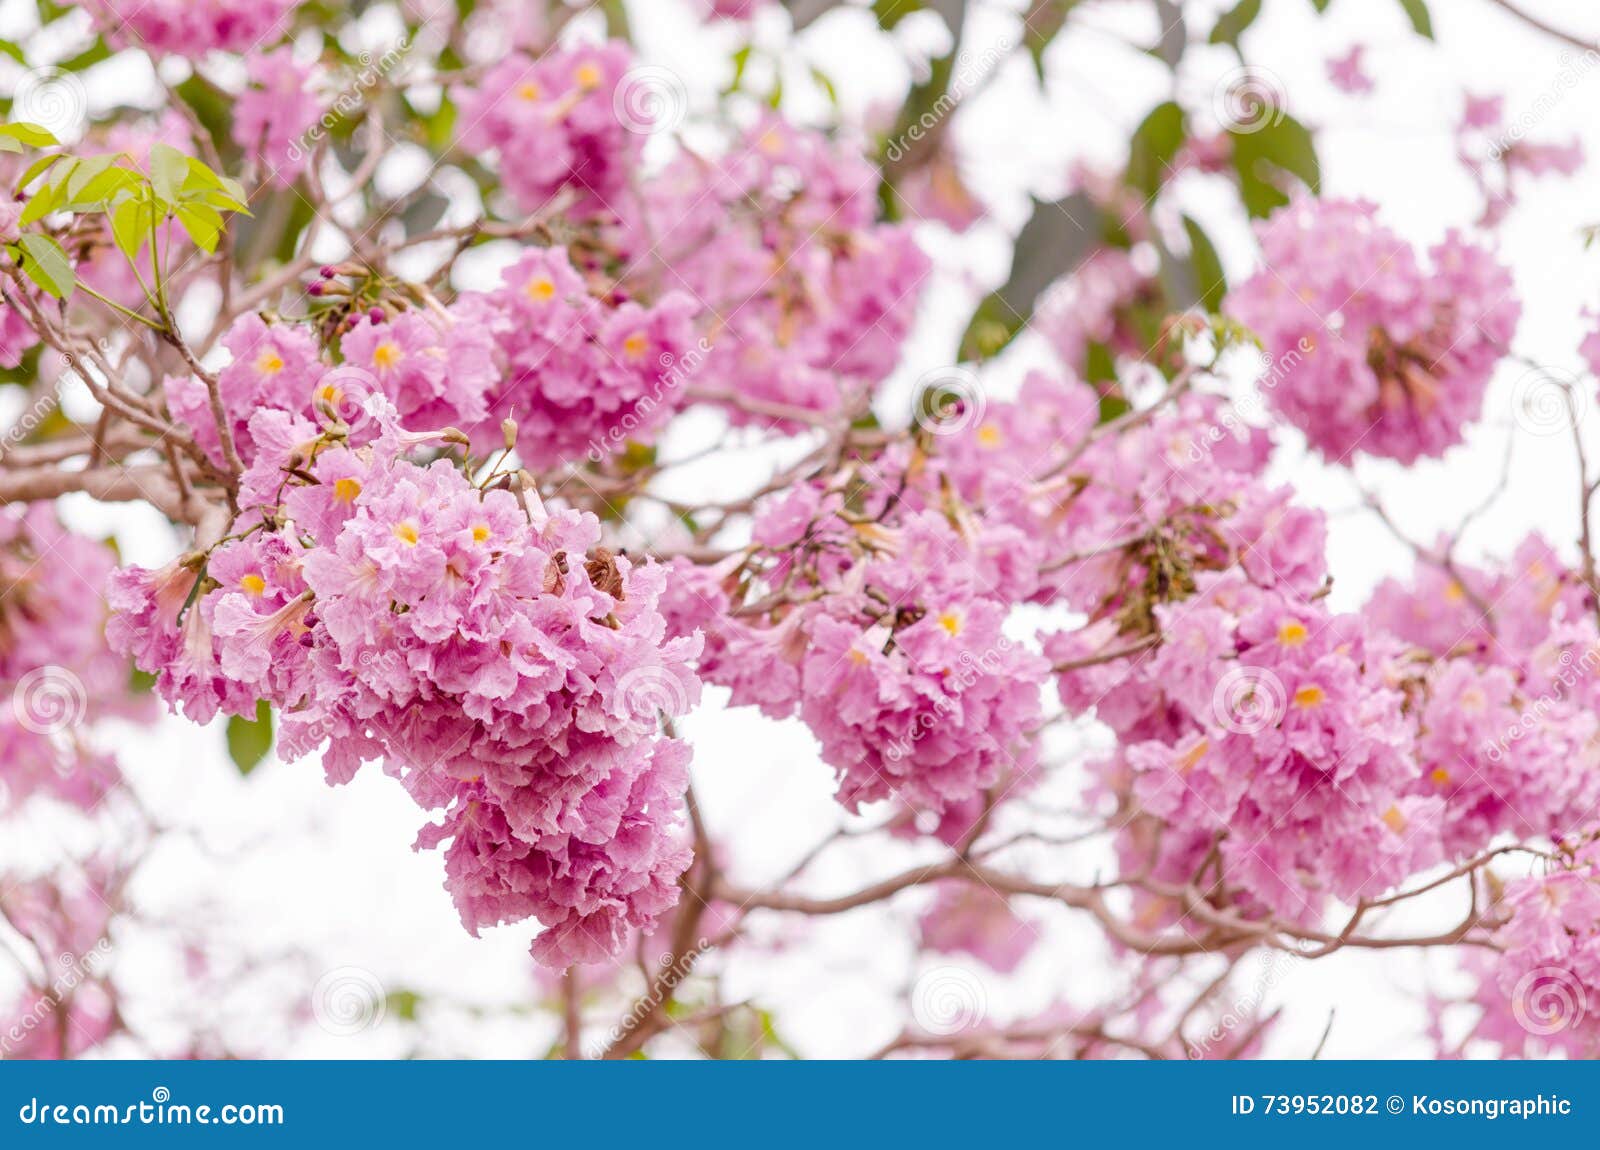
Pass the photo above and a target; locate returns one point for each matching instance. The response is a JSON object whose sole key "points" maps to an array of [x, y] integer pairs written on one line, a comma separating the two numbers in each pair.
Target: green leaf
{"points": [[1235, 22], [249, 741], [1056, 239], [1041, 23], [31, 134], [97, 51], [204, 224], [826, 85], [102, 189], [891, 12], [1417, 11], [741, 61], [439, 126], [402, 1004], [47, 265], [47, 199], [1321, 5], [130, 226], [85, 170], [168, 170], [1155, 144], [199, 227], [1211, 283], [1263, 152], [37, 168], [200, 183], [1174, 40]]}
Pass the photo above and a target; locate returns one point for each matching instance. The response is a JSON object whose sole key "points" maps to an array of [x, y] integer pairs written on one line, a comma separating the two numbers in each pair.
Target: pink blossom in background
{"points": [[1347, 73]]}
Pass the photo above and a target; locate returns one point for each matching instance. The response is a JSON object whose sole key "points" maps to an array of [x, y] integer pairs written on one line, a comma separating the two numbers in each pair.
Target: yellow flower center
{"points": [[1454, 592], [1310, 696], [635, 345], [541, 290], [406, 533], [529, 90], [1292, 633], [387, 354], [1440, 776], [1394, 820], [858, 657], [480, 533], [254, 585], [951, 622], [269, 362], [1186, 761], [346, 490], [989, 435], [330, 395], [588, 76]]}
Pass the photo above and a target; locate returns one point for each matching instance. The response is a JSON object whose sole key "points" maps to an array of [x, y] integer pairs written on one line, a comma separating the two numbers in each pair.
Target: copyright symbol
{"points": [[1396, 1104]]}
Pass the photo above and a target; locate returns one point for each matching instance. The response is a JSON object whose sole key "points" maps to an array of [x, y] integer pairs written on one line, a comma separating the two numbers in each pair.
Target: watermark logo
{"points": [[650, 99], [53, 99], [949, 1000], [1250, 99], [1248, 700], [348, 1000]]}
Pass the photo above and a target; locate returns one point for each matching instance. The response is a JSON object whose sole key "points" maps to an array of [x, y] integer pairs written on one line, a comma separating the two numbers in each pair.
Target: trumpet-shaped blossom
{"points": [[1377, 351], [508, 671]]}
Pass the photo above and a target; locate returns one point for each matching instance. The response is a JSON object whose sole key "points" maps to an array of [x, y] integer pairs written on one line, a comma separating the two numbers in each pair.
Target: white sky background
{"points": [[284, 862]]}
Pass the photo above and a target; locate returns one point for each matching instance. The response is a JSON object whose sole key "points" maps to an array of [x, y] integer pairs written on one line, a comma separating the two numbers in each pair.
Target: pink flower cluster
{"points": [[1498, 157], [803, 296], [65, 919], [1506, 708], [900, 667], [1289, 750], [274, 115], [56, 674], [967, 918], [581, 376], [1537, 994], [1376, 352], [192, 27], [508, 672], [17, 336], [555, 125], [273, 366]]}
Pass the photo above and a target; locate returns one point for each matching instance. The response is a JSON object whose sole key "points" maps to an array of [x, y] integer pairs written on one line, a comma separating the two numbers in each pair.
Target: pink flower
{"points": [[1536, 993], [273, 366], [804, 298], [193, 27], [10, 213], [551, 120], [1375, 354], [972, 919], [273, 115], [1347, 74], [506, 672], [17, 336], [436, 369], [582, 378]]}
